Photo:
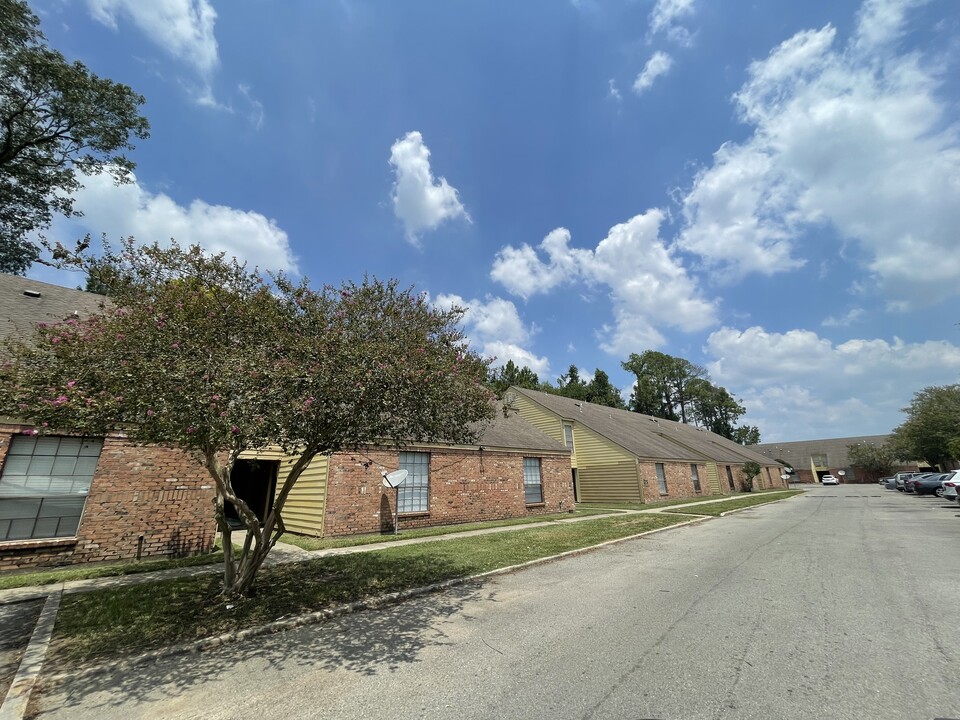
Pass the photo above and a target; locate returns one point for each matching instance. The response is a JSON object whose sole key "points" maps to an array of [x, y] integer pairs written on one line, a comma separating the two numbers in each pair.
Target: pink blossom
{"points": [[150, 413], [190, 429], [223, 414], [215, 397], [55, 340], [235, 430], [71, 383], [175, 346], [60, 400]]}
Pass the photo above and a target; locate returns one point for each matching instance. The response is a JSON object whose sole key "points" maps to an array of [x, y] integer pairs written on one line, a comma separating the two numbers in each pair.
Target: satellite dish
{"points": [[395, 479], [841, 473], [784, 477]]}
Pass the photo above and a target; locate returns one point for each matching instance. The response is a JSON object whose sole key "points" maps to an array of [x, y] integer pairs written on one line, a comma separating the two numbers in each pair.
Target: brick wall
{"points": [[679, 481], [163, 495], [465, 486]]}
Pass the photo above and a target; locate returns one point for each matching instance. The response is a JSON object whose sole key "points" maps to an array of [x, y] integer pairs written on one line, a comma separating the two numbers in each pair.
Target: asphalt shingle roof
{"points": [[645, 436], [24, 303]]}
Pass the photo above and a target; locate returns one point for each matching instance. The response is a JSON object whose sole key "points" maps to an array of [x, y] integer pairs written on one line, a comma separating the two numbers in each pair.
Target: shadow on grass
{"points": [[367, 643]]}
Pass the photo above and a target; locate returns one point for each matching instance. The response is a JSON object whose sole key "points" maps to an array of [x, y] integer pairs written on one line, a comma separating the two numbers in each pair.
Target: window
{"points": [[532, 486], [695, 476], [730, 479], [568, 435], [44, 486], [414, 496], [661, 479]]}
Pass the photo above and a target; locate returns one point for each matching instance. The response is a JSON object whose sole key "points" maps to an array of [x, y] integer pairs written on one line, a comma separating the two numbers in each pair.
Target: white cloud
{"points": [[494, 327], [648, 285], [613, 93], [665, 16], [420, 201], [125, 210], [852, 316], [797, 385], [256, 114], [852, 138], [184, 28], [658, 64]]}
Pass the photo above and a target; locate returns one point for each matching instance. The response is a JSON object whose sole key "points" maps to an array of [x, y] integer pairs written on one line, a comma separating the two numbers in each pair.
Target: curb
{"points": [[14, 705], [321, 616]]}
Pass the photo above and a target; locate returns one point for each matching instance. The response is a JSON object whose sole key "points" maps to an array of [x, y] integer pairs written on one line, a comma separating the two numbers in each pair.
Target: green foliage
{"points": [[751, 470], [602, 392], [931, 431], [676, 389], [198, 352], [510, 375], [57, 119], [746, 435], [571, 385], [877, 459]]}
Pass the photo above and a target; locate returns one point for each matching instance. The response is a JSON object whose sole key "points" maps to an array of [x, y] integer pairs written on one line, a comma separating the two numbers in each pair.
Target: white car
{"points": [[951, 487], [829, 480]]}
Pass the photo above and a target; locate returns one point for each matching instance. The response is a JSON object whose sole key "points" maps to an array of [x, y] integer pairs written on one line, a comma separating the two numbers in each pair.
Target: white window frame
{"points": [[414, 495], [532, 481], [661, 478]]}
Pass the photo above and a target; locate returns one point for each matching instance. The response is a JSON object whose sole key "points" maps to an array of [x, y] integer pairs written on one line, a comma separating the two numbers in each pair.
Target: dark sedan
{"points": [[909, 482], [932, 485]]}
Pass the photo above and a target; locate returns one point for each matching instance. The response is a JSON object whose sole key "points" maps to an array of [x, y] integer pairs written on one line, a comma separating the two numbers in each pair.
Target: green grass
{"points": [[85, 572], [314, 543], [117, 621], [744, 501]]}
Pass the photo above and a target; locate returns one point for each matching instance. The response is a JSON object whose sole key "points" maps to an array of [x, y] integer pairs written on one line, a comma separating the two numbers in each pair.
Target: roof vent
{"points": [[32, 293]]}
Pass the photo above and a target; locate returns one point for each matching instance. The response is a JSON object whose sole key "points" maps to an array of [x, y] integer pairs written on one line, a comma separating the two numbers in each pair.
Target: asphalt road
{"points": [[841, 603]]}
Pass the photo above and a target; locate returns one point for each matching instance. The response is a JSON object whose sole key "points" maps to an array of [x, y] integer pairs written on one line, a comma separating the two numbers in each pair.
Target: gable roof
{"points": [[645, 436], [25, 303], [510, 431], [799, 453]]}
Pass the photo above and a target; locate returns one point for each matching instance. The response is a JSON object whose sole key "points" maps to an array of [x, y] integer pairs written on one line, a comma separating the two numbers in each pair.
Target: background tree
{"points": [[653, 393], [199, 353], [510, 375], [713, 408], [751, 470], [602, 392], [571, 385], [878, 460], [746, 435], [57, 120], [931, 431]]}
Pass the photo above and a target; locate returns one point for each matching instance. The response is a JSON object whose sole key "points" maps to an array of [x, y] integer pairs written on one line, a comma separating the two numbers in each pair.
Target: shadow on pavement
{"points": [[17, 621], [367, 643]]}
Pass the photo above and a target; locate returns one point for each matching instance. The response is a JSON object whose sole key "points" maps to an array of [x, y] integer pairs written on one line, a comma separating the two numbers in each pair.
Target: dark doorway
{"points": [[254, 482], [576, 490]]}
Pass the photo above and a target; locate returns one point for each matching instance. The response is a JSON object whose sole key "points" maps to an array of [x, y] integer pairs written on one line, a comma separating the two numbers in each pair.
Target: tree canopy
{"points": [[58, 121], [510, 374], [931, 431], [197, 352], [875, 459]]}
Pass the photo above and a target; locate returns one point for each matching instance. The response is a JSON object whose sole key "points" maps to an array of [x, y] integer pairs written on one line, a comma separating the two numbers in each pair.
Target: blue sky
{"points": [[769, 189]]}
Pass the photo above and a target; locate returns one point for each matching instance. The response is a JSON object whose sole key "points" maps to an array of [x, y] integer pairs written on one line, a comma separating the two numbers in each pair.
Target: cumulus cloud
{"points": [[496, 330], [852, 137], [648, 285], [132, 210], [184, 28], [420, 201], [852, 316], [665, 16], [659, 64], [798, 385]]}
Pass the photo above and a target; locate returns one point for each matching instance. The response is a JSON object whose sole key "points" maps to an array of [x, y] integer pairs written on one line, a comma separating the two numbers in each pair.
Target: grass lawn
{"points": [[84, 572], [313, 543], [117, 621], [746, 500]]}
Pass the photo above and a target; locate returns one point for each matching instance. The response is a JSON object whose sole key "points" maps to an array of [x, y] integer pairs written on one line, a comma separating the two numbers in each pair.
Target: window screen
{"points": [[44, 486], [415, 491], [532, 485], [695, 476], [661, 479], [568, 435]]}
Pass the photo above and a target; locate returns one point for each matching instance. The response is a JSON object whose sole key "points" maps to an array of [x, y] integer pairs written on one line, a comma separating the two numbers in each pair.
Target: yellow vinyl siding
{"points": [[713, 479], [545, 421], [614, 482], [593, 449], [306, 503], [303, 512]]}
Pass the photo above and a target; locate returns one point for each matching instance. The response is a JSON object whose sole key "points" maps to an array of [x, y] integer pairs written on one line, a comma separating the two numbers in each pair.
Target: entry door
{"points": [[254, 482]]}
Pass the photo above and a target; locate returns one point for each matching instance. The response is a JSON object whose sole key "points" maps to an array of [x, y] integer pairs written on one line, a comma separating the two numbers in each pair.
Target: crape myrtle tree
{"points": [[58, 122], [877, 460], [196, 351]]}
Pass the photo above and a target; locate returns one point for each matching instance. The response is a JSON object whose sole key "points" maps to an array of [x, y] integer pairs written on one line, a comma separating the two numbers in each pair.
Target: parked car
{"points": [[909, 482], [829, 480], [951, 487], [902, 477], [891, 484], [932, 485], [884, 481]]}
